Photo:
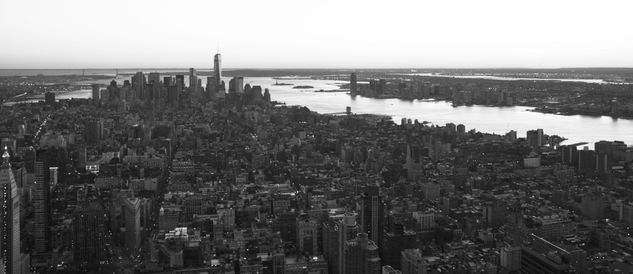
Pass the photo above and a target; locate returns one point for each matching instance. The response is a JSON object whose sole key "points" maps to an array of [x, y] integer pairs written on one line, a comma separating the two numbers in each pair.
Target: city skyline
{"points": [[326, 34]]}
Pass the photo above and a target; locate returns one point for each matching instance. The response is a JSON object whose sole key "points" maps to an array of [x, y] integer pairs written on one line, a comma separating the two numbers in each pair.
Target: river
{"points": [[576, 128]]}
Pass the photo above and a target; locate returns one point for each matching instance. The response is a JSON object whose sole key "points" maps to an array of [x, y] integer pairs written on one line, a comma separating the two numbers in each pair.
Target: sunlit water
{"points": [[576, 128]]}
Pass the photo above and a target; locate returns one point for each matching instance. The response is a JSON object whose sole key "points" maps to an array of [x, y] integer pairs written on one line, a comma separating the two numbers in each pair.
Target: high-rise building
{"points": [[412, 262], [94, 131], [510, 258], [361, 256], [180, 81], [586, 160], [335, 236], [414, 161], [217, 69], [132, 214], [307, 235], [89, 235], [371, 219], [49, 98], [41, 212], [210, 88], [53, 175], [535, 138], [569, 155], [193, 80], [138, 84], [154, 86], [173, 94], [236, 85], [9, 219], [353, 88], [96, 94], [168, 81]]}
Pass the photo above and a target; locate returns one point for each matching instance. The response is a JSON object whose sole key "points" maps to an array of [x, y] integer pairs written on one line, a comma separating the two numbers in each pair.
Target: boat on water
{"points": [[282, 84]]}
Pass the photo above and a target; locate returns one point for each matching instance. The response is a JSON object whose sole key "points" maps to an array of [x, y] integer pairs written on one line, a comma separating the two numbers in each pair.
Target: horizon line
{"points": [[332, 68]]}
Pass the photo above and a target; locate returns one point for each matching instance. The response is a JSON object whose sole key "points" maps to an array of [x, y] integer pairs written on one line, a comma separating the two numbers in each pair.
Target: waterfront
{"points": [[576, 128], [508, 78]]}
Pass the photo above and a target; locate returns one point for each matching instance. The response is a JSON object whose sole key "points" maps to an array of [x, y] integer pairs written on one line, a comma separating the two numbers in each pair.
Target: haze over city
{"points": [[315, 34], [321, 137]]}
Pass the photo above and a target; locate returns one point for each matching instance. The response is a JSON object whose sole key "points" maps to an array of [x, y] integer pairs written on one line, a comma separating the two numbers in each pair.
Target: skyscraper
{"points": [[535, 138], [49, 98], [41, 212], [371, 218], [138, 83], [193, 80], [132, 212], [9, 219], [217, 69], [236, 85], [53, 173], [89, 235], [94, 131], [154, 80], [353, 89], [335, 236], [361, 256], [96, 94]]}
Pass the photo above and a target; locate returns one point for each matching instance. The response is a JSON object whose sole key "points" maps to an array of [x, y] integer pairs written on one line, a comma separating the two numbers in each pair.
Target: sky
{"points": [[37, 34]]}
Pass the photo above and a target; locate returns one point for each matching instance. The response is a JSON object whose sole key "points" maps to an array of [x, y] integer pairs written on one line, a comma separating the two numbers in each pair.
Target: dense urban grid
{"points": [[162, 175]]}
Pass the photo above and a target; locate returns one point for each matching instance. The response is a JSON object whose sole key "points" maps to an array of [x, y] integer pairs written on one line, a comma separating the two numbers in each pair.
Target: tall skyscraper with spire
{"points": [[9, 219], [217, 69]]}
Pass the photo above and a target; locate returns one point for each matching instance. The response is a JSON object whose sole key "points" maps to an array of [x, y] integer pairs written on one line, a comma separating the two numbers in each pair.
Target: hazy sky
{"points": [[315, 33]]}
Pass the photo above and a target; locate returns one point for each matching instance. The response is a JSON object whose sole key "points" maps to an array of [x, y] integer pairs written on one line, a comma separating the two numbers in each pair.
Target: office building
{"points": [[510, 258], [307, 235], [94, 131], [89, 235], [10, 258], [335, 236], [138, 85], [193, 80], [96, 94], [180, 81], [53, 174], [236, 85], [353, 85], [154, 87], [41, 212], [371, 217], [132, 216], [412, 262], [217, 69], [535, 138], [49, 98], [586, 160], [361, 256]]}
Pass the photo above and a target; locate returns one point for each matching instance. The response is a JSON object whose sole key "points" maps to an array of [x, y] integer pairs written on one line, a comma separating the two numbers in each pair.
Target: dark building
{"points": [[361, 256], [94, 131], [138, 84], [89, 235], [41, 212], [9, 219], [371, 218], [353, 85], [535, 138], [335, 236], [569, 155], [217, 69], [180, 81], [586, 161], [396, 241], [49, 98]]}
